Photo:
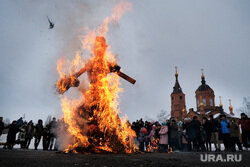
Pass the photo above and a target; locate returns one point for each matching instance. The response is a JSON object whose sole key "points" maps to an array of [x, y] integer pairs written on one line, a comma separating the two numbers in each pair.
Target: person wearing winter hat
{"points": [[163, 137]]}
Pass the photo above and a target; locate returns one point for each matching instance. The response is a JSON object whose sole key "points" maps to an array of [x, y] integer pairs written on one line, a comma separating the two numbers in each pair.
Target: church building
{"points": [[178, 103], [205, 102]]}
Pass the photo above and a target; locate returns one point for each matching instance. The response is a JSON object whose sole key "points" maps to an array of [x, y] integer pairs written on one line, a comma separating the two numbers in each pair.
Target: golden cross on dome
{"points": [[176, 72], [202, 73], [230, 101]]}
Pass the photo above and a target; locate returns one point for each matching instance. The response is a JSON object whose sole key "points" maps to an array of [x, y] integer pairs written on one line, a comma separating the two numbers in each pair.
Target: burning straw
{"points": [[93, 120]]}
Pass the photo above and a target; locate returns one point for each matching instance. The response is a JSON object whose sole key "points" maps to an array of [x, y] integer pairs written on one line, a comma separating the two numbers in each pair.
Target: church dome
{"points": [[203, 86]]}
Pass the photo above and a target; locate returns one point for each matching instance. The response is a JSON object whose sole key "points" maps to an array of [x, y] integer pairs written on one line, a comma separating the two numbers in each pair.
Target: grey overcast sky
{"points": [[150, 40]]}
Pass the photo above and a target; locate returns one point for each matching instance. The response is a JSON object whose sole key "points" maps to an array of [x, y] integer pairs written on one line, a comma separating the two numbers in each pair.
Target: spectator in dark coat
{"points": [[38, 133], [29, 134], [194, 134], [133, 126], [203, 139], [215, 126], [245, 127], [11, 137], [235, 135], [1, 125], [20, 122], [174, 135], [45, 135], [139, 125], [207, 127]]}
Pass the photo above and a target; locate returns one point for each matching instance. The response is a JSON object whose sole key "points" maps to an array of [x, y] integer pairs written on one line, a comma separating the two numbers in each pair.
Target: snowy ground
{"points": [[4, 136], [40, 158]]}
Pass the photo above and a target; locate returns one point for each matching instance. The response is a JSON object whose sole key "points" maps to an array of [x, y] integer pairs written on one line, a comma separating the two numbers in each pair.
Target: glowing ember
{"points": [[93, 120]]}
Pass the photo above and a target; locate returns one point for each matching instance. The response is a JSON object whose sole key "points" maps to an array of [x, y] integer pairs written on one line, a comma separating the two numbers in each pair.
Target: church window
{"points": [[198, 103], [204, 102], [211, 102], [180, 97]]}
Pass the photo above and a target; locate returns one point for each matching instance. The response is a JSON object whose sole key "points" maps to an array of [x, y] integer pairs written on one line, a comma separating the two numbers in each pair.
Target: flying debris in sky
{"points": [[51, 24]]}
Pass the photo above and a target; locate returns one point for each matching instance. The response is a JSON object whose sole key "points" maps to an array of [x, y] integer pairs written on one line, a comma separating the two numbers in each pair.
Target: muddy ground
{"points": [[32, 158]]}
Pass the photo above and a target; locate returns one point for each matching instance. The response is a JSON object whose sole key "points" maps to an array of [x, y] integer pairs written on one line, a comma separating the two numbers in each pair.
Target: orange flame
{"points": [[93, 120]]}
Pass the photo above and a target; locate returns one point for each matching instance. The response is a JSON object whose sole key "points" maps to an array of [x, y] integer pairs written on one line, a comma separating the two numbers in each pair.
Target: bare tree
{"points": [[48, 120], [147, 118], [6, 121], [245, 106], [163, 116]]}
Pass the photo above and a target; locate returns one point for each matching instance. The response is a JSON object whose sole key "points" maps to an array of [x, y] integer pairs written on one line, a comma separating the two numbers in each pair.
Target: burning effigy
{"points": [[93, 120]]}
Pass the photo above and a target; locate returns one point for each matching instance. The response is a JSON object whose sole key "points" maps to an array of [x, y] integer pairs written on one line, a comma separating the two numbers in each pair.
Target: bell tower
{"points": [[178, 104]]}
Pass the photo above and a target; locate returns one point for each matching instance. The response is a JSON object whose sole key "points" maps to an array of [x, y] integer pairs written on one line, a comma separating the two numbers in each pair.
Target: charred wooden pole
{"points": [[64, 84], [116, 70]]}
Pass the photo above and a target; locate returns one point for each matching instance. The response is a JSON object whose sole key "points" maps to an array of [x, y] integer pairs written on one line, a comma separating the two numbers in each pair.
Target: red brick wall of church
{"points": [[207, 95], [177, 105]]}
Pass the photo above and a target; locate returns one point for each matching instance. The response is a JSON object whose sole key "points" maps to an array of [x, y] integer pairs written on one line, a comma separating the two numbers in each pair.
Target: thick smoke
{"points": [[77, 120]]}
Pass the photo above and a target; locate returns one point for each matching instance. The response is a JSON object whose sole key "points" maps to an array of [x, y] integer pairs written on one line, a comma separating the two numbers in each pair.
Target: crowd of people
{"points": [[193, 135], [170, 135], [27, 131]]}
